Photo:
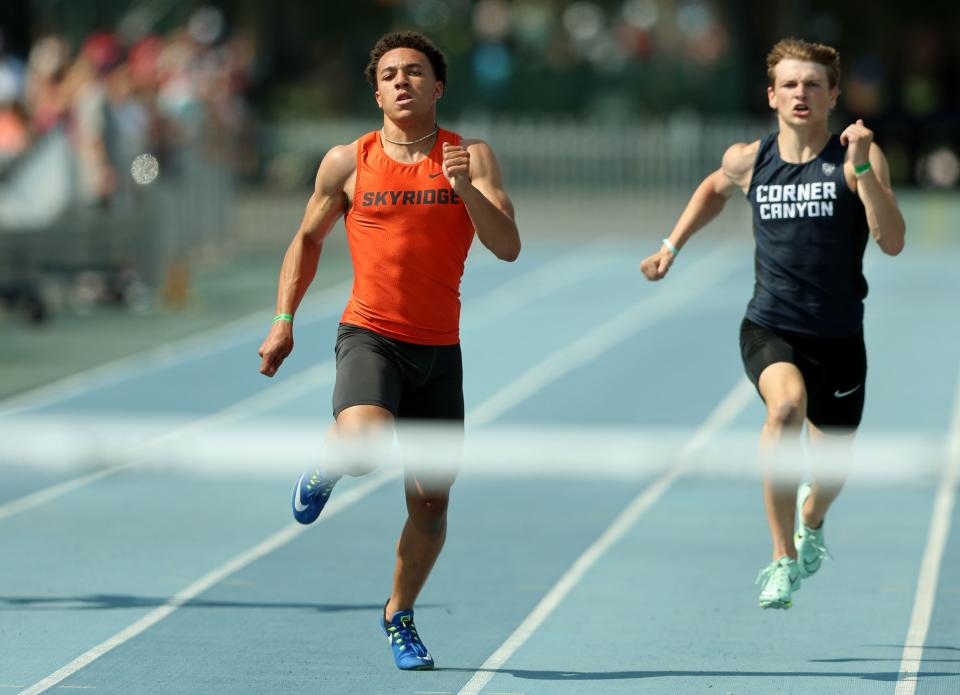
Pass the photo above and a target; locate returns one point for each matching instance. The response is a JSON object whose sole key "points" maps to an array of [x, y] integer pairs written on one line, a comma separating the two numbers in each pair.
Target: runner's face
{"points": [[406, 85], [801, 93]]}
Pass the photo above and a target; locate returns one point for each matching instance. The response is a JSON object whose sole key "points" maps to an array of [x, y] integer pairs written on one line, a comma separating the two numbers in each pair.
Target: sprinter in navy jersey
{"points": [[816, 197]]}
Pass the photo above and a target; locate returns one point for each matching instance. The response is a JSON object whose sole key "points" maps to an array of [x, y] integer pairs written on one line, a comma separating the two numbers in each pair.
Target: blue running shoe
{"points": [[310, 495], [409, 652]]}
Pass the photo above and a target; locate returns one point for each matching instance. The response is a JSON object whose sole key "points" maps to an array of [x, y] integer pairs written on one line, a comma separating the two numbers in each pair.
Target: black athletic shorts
{"points": [[423, 382], [834, 370]]}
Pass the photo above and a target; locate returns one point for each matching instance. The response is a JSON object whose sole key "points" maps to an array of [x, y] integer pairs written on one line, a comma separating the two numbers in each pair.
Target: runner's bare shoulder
{"points": [[474, 142], [482, 158], [737, 164], [338, 165]]}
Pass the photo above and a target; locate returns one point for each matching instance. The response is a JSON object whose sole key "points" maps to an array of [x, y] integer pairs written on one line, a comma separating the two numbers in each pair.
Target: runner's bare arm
{"points": [[328, 201], [707, 201], [475, 175], [883, 215]]}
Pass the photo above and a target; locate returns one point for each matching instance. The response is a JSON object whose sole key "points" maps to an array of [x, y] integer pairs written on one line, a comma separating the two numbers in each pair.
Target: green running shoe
{"points": [[780, 579], [811, 551]]}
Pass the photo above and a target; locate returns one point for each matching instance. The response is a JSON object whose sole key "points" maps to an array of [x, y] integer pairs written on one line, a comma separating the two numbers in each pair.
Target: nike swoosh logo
{"points": [[433, 176], [296, 498], [843, 394]]}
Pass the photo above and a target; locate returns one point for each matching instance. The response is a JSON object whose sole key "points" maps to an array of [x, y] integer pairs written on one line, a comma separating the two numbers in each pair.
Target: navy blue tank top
{"points": [[811, 232]]}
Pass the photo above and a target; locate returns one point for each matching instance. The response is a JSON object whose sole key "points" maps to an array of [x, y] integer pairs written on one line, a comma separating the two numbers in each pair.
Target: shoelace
{"points": [[405, 635], [325, 489], [767, 572], [816, 546]]}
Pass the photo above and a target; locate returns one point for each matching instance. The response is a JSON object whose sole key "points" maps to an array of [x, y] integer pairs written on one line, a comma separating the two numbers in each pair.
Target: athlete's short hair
{"points": [[798, 49], [407, 39]]}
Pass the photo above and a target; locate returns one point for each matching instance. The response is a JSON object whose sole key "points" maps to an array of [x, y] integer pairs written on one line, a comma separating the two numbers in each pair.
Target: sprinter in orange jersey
{"points": [[413, 196]]}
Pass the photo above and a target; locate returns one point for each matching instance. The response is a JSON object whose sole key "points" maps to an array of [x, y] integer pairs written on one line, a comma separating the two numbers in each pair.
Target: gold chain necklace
{"points": [[436, 129]]}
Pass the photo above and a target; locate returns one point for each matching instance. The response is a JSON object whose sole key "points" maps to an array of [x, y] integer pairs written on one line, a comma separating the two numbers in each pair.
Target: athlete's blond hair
{"points": [[798, 49]]}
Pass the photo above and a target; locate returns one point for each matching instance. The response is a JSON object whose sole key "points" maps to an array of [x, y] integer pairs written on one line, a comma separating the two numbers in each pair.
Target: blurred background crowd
{"points": [[237, 97], [121, 90]]}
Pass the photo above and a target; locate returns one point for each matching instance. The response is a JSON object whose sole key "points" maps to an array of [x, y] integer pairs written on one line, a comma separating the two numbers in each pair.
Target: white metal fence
{"points": [[50, 239], [548, 156]]}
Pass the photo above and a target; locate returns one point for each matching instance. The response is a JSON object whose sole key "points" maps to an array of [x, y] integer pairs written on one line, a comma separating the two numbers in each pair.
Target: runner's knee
{"points": [[428, 511], [787, 411]]}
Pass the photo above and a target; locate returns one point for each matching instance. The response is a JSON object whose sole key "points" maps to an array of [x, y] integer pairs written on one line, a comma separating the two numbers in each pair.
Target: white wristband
{"points": [[670, 247]]}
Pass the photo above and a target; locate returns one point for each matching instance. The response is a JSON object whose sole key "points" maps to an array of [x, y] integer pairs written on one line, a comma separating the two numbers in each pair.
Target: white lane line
{"points": [[277, 540], [726, 412], [315, 307], [536, 378], [48, 494], [491, 301], [267, 546], [923, 603], [655, 307], [489, 412], [722, 415], [566, 270], [320, 306], [290, 389]]}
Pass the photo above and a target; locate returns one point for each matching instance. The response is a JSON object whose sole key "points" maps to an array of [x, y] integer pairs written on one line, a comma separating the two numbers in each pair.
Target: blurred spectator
{"points": [[178, 95], [46, 98], [93, 110], [92, 124], [186, 80], [14, 131], [12, 72]]}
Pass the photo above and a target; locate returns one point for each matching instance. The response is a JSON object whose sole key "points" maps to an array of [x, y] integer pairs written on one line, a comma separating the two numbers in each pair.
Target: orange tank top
{"points": [[409, 235]]}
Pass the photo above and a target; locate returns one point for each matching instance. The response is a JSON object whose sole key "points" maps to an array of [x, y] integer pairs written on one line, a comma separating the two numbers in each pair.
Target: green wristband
{"points": [[861, 169], [283, 317]]}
